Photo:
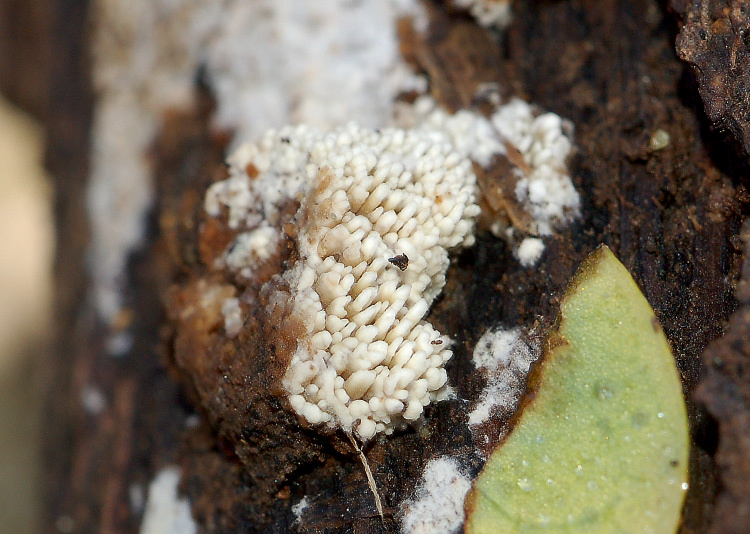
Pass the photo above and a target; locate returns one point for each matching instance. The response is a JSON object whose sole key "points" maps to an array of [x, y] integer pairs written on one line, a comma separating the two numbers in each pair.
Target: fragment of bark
{"points": [[715, 40], [725, 389]]}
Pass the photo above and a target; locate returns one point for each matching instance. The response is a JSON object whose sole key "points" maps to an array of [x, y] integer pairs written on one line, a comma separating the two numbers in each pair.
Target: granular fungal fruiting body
{"points": [[364, 359]]}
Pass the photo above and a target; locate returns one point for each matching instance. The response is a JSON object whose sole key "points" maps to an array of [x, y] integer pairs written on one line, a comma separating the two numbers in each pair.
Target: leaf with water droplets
{"points": [[601, 443]]}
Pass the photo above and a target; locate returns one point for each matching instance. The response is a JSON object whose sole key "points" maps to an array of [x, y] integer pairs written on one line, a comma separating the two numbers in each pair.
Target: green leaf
{"points": [[601, 444]]}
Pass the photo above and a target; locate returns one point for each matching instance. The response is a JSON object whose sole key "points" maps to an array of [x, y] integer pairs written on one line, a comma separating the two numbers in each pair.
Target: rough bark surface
{"points": [[725, 390], [715, 41], [671, 215]]}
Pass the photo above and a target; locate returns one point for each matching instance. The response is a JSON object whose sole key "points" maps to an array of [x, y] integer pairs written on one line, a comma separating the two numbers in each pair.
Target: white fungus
{"points": [[544, 187], [367, 362], [268, 63], [232, 313], [507, 357], [252, 246], [299, 508], [93, 400], [166, 512], [438, 505], [471, 133], [379, 211], [276, 62], [529, 251], [489, 13]]}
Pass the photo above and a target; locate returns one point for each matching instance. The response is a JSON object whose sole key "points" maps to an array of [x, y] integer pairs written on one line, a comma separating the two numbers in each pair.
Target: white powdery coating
{"points": [[281, 62], [368, 362], [299, 508], [489, 13], [472, 134], [269, 62], [232, 313], [546, 192], [438, 506], [494, 348], [279, 160], [251, 247], [507, 358], [93, 400], [529, 251], [166, 512], [142, 64]]}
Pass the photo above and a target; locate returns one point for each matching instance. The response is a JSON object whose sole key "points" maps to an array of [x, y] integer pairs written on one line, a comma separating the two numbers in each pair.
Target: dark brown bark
{"points": [[725, 390], [671, 215], [27, 47], [715, 41]]}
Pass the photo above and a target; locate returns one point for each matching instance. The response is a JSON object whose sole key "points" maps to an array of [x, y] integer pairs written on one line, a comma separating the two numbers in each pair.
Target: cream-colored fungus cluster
{"points": [[544, 188], [543, 141], [379, 211], [489, 13]]}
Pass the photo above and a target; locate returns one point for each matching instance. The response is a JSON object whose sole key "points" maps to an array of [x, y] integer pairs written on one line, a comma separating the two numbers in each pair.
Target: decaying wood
{"points": [[714, 40], [725, 389], [672, 216]]}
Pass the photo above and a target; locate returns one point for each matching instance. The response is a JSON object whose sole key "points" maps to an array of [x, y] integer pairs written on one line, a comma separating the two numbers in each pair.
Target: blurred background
{"points": [[26, 243]]}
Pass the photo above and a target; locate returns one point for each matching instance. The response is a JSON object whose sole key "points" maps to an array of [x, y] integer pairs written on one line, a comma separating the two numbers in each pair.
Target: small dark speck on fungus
{"points": [[401, 261]]}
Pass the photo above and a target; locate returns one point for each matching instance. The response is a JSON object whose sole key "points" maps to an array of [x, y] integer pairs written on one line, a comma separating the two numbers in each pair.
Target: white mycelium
{"points": [[543, 141], [489, 13], [167, 512], [544, 188], [507, 357], [367, 361], [438, 503], [529, 251], [268, 63]]}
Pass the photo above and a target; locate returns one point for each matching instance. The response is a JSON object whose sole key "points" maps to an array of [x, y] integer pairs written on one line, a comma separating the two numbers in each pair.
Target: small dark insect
{"points": [[285, 140], [437, 342], [400, 261]]}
